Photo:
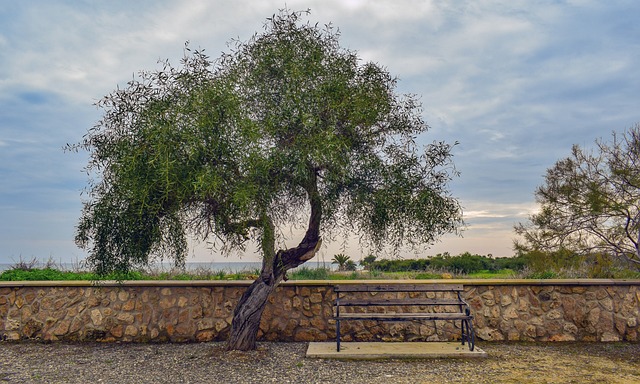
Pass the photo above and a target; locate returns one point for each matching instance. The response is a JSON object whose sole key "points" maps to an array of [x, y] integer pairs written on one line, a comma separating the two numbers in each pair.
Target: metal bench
{"points": [[359, 307]]}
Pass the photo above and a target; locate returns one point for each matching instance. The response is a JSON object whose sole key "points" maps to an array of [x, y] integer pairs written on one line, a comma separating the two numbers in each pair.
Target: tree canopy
{"points": [[590, 202], [288, 128]]}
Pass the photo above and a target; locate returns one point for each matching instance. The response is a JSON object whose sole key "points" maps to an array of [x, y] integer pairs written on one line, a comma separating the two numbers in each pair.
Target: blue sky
{"points": [[515, 82]]}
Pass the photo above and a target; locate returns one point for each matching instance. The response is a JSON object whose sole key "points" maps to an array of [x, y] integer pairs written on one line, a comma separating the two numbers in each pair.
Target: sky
{"points": [[516, 83]]}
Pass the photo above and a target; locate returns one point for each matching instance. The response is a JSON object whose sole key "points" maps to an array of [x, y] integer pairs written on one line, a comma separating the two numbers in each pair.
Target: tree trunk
{"points": [[246, 317]]}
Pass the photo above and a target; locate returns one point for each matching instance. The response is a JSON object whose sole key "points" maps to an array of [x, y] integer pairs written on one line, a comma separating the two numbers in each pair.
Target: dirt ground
{"points": [[31, 362]]}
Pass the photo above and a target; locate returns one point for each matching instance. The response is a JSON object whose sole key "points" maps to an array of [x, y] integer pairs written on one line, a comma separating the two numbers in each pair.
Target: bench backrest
{"points": [[399, 288]]}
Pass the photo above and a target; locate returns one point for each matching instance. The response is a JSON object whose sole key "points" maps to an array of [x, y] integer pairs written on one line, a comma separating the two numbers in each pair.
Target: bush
{"points": [[51, 274], [465, 263], [305, 273]]}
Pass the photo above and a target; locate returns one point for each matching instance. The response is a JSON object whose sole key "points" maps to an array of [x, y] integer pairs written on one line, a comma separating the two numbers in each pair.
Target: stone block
{"points": [[593, 317], [601, 293], [117, 331], [32, 328], [620, 324], [609, 337], [489, 334], [513, 335], [530, 332], [129, 305], [131, 331], [607, 304], [76, 325], [520, 325], [570, 328], [126, 318], [510, 313], [167, 302], [204, 336], [316, 298], [554, 314], [632, 335], [96, 317], [12, 336], [561, 337], [62, 327], [19, 302]]}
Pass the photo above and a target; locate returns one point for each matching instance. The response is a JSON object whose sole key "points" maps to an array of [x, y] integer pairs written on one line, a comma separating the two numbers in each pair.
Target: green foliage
{"points": [[499, 274], [51, 274], [350, 265], [305, 273], [427, 276], [367, 261], [543, 275], [569, 264], [286, 128], [342, 260], [400, 265], [465, 263], [590, 204]]}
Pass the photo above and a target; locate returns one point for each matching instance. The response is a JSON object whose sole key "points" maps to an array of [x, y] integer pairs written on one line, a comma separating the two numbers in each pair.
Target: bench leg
{"points": [[471, 336], [338, 335], [468, 335]]}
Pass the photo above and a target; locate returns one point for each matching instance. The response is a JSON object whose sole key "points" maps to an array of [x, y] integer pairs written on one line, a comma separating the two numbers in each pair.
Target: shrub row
{"points": [[465, 263]]}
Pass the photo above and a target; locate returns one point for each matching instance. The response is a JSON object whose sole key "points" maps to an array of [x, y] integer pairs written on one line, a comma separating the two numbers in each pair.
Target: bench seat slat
{"points": [[399, 302], [404, 316]]}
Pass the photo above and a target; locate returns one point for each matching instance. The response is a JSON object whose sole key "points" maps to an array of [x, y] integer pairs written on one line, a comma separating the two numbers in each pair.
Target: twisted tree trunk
{"points": [[246, 317], [247, 314]]}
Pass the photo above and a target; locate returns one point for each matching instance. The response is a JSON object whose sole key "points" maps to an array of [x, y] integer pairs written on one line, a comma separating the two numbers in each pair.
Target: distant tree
{"points": [[590, 202], [350, 265], [287, 129], [367, 261], [341, 260]]}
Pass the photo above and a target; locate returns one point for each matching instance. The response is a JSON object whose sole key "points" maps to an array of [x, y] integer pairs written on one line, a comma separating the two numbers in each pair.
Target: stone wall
{"points": [[558, 310]]}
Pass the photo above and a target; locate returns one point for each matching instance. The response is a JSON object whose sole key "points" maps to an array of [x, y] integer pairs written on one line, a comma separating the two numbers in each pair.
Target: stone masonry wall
{"points": [[561, 310]]}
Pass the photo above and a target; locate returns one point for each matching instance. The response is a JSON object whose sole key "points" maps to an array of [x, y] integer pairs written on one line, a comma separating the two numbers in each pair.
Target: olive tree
{"points": [[590, 202], [287, 129]]}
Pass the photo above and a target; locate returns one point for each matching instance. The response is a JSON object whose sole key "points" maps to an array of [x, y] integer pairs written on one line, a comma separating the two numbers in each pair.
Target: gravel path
{"points": [[29, 362]]}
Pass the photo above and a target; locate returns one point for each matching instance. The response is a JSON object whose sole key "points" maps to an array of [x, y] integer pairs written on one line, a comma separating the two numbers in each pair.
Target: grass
{"points": [[29, 271], [33, 271], [486, 274], [303, 273]]}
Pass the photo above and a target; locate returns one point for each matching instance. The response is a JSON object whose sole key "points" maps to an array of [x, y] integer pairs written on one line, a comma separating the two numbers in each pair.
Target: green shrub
{"points": [[46, 274], [50, 274], [465, 263], [306, 273], [543, 275], [427, 276]]}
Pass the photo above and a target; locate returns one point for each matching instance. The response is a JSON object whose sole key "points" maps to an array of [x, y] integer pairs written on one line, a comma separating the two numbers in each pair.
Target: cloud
{"points": [[515, 83]]}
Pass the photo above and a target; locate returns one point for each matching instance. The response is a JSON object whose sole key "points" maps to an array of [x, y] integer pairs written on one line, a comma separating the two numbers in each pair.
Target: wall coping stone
{"points": [[244, 283]]}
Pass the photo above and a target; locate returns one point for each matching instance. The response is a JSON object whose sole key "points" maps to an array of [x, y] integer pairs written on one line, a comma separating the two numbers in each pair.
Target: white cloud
{"points": [[516, 83], [492, 209]]}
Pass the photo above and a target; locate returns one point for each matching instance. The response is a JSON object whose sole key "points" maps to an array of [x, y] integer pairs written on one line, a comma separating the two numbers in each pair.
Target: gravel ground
{"points": [[30, 362]]}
